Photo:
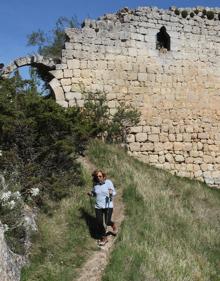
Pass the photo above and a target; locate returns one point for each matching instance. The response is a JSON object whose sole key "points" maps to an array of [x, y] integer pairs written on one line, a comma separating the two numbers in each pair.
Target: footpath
{"points": [[97, 262]]}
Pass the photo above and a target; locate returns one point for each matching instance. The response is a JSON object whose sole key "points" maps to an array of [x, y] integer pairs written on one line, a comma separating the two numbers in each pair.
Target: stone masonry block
{"points": [[137, 129], [73, 96], [147, 146], [135, 146], [130, 138], [153, 137], [65, 82], [67, 73], [141, 137], [73, 64], [57, 73]]}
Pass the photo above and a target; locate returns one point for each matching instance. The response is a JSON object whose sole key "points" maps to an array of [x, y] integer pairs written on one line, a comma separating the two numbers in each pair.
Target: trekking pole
{"points": [[108, 199], [90, 199]]}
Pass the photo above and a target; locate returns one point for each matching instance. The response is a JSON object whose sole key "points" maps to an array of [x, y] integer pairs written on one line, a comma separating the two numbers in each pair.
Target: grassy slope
{"points": [[63, 241], [171, 230]]}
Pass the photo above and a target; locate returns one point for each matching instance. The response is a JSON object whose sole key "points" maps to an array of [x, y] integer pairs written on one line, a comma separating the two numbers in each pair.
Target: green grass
{"points": [[171, 229], [63, 241]]}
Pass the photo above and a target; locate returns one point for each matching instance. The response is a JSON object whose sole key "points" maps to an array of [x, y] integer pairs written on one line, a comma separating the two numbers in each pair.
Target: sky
{"points": [[18, 18]]}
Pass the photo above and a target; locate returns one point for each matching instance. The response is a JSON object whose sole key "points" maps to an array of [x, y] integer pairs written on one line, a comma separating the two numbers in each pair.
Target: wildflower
{"points": [[11, 204], [5, 196], [17, 195], [35, 191], [5, 227]]}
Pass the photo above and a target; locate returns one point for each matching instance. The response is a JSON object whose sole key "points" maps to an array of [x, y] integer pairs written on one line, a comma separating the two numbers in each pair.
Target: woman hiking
{"points": [[104, 191]]}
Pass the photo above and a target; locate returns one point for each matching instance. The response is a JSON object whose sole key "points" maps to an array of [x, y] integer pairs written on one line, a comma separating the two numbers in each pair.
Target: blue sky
{"points": [[21, 17]]}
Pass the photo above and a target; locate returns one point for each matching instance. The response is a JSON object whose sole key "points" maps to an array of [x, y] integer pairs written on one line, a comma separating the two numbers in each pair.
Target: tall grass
{"points": [[63, 241], [171, 229]]}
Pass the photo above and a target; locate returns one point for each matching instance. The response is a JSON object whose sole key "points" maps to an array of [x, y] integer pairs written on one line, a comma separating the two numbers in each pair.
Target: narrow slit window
{"points": [[163, 39]]}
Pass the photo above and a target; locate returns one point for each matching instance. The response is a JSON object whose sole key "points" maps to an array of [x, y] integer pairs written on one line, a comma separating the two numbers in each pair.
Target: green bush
{"points": [[37, 141], [196, 11], [125, 117], [40, 141], [177, 12], [204, 12], [192, 14], [210, 15], [184, 13]]}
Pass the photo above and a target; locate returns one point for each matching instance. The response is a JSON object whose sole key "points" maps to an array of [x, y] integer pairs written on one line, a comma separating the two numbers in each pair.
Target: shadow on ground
{"points": [[91, 223]]}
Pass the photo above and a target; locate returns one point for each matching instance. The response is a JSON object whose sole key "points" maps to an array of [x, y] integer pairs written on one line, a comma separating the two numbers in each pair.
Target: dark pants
{"points": [[107, 214]]}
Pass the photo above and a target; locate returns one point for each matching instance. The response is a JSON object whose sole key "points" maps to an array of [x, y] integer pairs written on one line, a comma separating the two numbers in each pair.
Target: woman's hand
{"points": [[89, 193]]}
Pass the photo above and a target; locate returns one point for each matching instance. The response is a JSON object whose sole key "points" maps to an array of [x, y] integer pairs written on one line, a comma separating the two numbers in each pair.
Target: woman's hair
{"points": [[95, 173]]}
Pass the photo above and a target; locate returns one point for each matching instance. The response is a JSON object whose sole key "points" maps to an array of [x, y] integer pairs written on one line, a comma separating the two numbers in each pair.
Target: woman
{"points": [[104, 191]]}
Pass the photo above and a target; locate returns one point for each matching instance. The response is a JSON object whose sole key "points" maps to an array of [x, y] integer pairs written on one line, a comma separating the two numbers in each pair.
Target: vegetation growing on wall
{"points": [[50, 43]]}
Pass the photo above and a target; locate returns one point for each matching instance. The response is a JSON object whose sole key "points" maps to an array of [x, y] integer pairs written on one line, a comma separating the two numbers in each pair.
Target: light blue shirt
{"points": [[101, 192]]}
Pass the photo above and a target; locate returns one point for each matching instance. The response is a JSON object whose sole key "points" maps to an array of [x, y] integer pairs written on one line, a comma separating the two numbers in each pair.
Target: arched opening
{"points": [[163, 39], [38, 66]]}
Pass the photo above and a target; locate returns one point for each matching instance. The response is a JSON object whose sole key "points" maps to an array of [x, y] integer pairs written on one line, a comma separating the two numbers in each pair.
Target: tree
{"points": [[50, 43]]}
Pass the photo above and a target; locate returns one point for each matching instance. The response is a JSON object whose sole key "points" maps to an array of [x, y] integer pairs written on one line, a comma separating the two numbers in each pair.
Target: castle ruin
{"points": [[166, 63]]}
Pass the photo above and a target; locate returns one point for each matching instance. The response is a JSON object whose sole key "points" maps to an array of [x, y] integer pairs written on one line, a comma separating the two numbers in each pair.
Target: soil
{"points": [[96, 263]]}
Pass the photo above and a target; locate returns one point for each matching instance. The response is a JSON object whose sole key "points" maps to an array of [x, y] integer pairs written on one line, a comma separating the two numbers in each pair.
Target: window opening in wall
{"points": [[163, 39]]}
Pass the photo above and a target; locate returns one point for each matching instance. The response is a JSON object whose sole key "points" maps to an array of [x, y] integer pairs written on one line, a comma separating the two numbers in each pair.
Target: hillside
{"points": [[170, 231]]}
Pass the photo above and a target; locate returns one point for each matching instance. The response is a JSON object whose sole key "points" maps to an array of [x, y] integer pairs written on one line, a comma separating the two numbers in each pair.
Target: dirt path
{"points": [[95, 265]]}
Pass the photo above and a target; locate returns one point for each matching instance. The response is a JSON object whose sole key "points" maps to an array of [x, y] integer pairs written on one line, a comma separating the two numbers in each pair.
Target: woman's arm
{"points": [[111, 189]]}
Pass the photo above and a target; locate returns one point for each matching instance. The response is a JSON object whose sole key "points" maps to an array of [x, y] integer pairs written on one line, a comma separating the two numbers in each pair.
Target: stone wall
{"points": [[177, 91]]}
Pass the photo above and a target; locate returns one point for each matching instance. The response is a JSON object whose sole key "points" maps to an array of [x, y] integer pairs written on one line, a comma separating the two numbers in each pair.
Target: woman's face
{"points": [[100, 177]]}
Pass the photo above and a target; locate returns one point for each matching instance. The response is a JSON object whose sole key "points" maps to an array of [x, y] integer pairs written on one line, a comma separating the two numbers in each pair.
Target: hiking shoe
{"points": [[103, 241], [114, 228]]}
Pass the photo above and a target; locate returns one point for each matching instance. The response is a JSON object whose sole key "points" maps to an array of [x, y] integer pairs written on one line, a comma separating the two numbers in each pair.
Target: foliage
{"points": [[63, 241], [196, 11], [204, 12], [192, 14], [95, 120], [37, 144], [177, 12], [184, 13], [125, 117], [210, 15], [40, 140], [171, 226], [50, 44]]}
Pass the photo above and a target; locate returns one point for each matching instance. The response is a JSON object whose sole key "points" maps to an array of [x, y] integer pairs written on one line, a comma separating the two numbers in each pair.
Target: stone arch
{"points": [[163, 39], [45, 67], [42, 63]]}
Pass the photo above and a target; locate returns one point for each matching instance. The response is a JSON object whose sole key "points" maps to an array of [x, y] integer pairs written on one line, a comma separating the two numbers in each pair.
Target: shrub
{"points": [[219, 16], [177, 12], [184, 13], [204, 12], [196, 11], [37, 141], [40, 141], [210, 15], [95, 120], [125, 117], [192, 14]]}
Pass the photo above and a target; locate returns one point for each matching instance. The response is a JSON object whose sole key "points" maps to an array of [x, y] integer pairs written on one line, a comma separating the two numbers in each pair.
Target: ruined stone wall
{"points": [[177, 91]]}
